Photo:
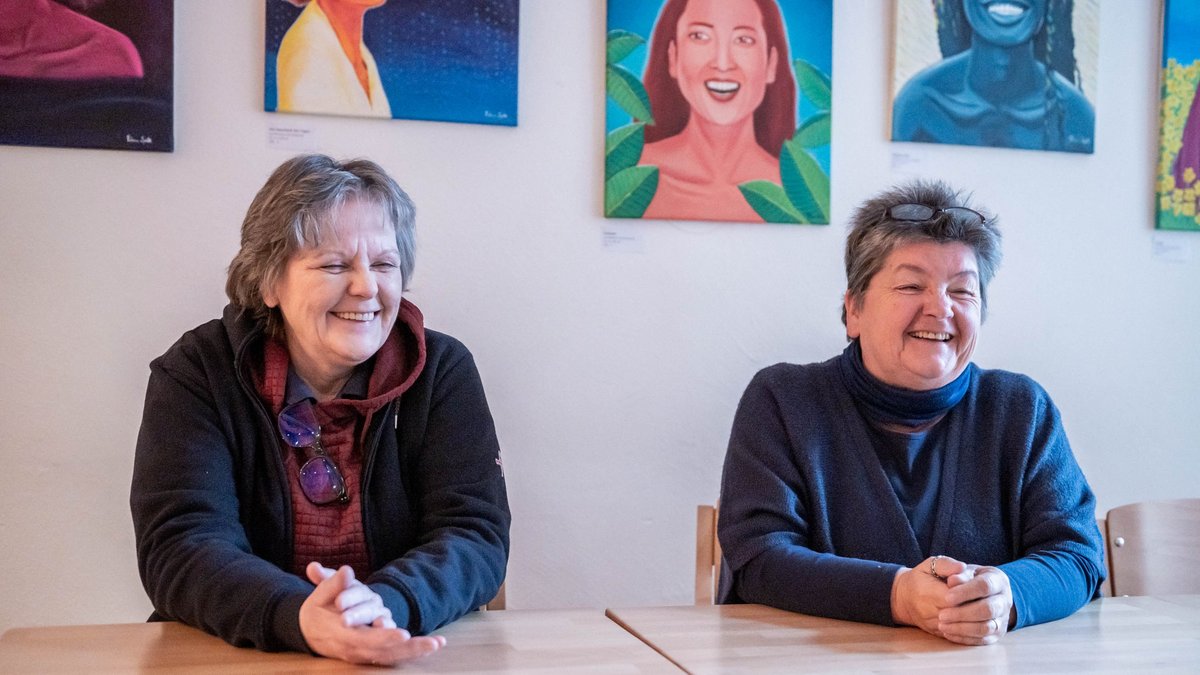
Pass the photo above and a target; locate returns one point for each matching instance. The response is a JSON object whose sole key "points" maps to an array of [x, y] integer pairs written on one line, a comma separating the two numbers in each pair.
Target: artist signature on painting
{"points": [[495, 115], [138, 139]]}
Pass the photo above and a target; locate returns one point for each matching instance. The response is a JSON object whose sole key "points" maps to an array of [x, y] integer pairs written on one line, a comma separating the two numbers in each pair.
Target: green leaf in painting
{"points": [[768, 200], [627, 91], [815, 131], [621, 43], [813, 83], [804, 182], [623, 148], [629, 191]]}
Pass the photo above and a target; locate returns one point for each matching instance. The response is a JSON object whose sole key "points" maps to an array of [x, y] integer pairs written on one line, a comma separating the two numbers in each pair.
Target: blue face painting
{"points": [[1005, 23], [1000, 91]]}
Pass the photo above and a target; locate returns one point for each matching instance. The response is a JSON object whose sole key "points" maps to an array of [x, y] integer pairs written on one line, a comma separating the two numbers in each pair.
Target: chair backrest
{"points": [[1154, 547], [1106, 587], [708, 554], [496, 602]]}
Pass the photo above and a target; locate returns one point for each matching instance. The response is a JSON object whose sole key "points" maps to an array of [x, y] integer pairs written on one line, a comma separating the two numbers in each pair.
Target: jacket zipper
{"points": [[280, 469], [369, 453]]}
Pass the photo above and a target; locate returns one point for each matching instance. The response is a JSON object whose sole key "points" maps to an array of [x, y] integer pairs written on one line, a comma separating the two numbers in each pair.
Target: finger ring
{"points": [[995, 624], [933, 568]]}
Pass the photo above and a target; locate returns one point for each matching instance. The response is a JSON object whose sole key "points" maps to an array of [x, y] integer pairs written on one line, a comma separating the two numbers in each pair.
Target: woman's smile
{"points": [[356, 316], [1006, 13], [1005, 23], [928, 335], [722, 90]]}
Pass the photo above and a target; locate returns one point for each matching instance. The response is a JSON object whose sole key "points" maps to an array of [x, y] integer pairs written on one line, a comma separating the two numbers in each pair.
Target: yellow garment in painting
{"points": [[313, 74]]}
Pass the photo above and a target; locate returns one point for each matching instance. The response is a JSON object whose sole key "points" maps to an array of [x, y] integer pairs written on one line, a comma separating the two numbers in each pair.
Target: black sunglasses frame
{"points": [[934, 212]]}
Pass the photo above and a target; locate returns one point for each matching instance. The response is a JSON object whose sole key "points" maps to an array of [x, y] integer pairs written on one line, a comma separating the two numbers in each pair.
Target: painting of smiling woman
{"points": [[731, 110], [1002, 73]]}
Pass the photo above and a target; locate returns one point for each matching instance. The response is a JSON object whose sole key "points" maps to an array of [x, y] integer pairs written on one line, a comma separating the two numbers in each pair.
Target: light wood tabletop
{"points": [[1128, 634], [524, 641]]}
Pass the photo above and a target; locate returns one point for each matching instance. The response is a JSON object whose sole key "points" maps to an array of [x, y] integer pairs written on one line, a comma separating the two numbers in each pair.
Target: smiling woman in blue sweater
{"points": [[898, 483]]}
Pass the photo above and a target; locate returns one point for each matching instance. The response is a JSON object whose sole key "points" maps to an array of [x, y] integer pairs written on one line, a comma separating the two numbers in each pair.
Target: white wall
{"points": [[613, 377]]}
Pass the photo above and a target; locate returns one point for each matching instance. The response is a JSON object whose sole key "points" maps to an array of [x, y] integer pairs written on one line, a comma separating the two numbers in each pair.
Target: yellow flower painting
{"points": [[1179, 138]]}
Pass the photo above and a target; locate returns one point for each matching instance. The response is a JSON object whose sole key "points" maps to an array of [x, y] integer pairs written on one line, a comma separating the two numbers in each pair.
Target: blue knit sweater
{"points": [[810, 523]]}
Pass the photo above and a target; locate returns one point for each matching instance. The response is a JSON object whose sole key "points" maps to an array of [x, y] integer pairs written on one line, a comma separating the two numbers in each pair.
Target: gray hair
{"points": [[292, 211], [873, 235]]}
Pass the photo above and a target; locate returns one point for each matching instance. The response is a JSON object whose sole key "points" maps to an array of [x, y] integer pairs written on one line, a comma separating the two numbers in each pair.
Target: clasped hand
{"points": [[967, 604], [344, 619]]}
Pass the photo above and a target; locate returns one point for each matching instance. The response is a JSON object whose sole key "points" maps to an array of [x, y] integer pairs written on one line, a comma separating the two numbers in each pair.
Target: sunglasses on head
{"points": [[320, 480], [922, 213]]}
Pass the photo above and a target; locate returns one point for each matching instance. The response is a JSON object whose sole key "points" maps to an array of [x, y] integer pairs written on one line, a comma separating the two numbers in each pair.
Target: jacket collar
{"points": [[398, 363]]}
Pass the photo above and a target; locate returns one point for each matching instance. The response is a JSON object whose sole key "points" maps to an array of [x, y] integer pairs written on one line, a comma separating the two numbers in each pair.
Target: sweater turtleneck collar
{"points": [[884, 404]]}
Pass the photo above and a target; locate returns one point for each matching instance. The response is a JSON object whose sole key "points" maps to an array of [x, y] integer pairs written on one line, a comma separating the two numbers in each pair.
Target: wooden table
{"points": [[1126, 635], [565, 641]]}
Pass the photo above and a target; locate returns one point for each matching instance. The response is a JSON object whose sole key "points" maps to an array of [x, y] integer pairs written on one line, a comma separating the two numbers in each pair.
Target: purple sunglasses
{"points": [[320, 479]]}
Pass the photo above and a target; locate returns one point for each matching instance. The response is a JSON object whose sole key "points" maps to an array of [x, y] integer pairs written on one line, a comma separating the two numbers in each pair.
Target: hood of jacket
{"points": [[398, 363]]}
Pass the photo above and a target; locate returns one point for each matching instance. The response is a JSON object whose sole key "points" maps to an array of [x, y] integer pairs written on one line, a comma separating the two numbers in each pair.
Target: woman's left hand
{"points": [[979, 606], [357, 603], [344, 619]]}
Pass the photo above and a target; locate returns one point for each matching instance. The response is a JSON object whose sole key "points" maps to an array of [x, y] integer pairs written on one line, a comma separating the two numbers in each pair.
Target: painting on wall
{"points": [[87, 74], [1000, 74], [442, 60], [1179, 137], [718, 110]]}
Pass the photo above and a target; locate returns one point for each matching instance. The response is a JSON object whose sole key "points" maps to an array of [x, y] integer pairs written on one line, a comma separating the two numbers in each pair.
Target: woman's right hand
{"points": [[344, 619], [918, 596]]}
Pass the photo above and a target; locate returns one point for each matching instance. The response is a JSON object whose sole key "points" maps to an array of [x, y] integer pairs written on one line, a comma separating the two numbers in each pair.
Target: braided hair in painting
{"points": [[1053, 46]]}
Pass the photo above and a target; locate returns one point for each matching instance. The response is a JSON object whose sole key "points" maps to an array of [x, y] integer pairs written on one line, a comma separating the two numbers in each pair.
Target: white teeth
{"points": [[1005, 9], [355, 316], [722, 86], [928, 335]]}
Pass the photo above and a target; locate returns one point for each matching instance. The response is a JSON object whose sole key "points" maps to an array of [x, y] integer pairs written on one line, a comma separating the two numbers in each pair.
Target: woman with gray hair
{"points": [[317, 471], [898, 483]]}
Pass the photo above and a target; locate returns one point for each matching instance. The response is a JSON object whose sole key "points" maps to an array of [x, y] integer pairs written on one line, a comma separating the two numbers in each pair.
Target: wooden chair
{"points": [[1106, 587], [1154, 547], [708, 554], [496, 602]]}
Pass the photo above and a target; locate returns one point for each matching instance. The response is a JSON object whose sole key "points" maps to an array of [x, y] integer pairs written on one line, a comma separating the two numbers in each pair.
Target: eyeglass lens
{"points": [[298, 425], [912, 212], [919, 213], [321, 481]]}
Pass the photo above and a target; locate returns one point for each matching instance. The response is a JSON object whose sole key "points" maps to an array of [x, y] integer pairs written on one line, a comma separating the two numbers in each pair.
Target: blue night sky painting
{"points": [[441, 60], [1182, 32]]}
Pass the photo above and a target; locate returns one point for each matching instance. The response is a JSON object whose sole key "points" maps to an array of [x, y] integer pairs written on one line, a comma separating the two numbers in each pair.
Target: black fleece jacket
{"points": [[212, 512]]}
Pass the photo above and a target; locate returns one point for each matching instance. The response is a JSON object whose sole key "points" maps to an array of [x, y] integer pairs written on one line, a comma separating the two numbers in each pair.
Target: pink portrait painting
{"points": [[87, 73], [730, 117]]}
